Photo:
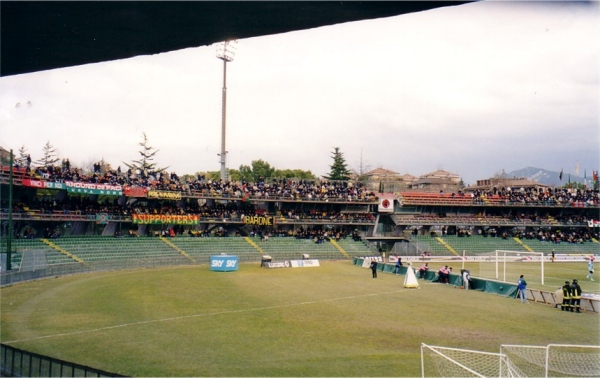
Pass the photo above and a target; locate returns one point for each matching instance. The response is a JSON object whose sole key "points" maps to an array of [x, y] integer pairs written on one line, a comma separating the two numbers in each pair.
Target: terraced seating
{"points": [[200, 249], [479, 244], [354, 248], [430, 244], [286, 248], [426, 198], [587, 248], [25, 245], [96, 249], [471, 245]]}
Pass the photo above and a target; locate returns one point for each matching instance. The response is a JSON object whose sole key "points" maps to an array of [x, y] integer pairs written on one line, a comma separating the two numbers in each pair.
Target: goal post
{"points": [[555, 360], [552, 360], [506, 265], [502, 257], [437, 361]]}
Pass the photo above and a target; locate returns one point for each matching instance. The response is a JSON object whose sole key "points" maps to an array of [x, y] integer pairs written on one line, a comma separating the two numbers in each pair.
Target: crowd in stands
{"points": [[231, 210], [291, 189], [572, 236], [543, 196]]}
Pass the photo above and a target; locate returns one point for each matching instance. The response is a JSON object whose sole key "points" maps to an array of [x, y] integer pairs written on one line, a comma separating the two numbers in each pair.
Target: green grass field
{"points": [[332, 320]]}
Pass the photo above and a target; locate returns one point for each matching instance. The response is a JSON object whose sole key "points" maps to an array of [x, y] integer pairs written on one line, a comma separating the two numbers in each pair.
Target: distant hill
{"points": [[546, 177]]}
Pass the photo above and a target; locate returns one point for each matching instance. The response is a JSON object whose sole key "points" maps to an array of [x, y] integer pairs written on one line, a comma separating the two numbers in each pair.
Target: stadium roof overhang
{"points": [[44, 35]]}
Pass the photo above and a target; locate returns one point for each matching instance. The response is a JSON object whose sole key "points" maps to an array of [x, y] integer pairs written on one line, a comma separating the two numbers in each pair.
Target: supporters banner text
{"points": [[165, 219]]}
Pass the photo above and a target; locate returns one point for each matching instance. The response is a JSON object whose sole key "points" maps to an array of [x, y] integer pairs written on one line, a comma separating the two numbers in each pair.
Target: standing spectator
{"points": [[374, 268], [566, 292], [398, 265], [590, 264], [575, 296], [424, 268], [466, 277], [522, 286], [444, 274]]}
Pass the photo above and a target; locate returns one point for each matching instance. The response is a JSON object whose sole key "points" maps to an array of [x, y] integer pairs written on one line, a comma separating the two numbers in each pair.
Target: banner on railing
{"points": [[135, 191], [102, 218], [165, 219], [258, 220], [159, 194], [43, 184], [91, 188], [593, 223]]}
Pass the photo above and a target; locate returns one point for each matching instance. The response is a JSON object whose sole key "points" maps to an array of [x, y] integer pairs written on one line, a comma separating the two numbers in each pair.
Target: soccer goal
{"points": [[553, 360], [507, 266], [437, 361]]}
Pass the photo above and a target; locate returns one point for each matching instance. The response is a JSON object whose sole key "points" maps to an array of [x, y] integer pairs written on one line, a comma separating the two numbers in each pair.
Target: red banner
{"points": [[135, 191]]}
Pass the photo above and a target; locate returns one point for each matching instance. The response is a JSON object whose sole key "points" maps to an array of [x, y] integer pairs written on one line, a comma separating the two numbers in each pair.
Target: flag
{"points": [[560, 175]]}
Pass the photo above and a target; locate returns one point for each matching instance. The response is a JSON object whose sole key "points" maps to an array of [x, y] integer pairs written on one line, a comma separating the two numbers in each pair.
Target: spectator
{"points": [[522, 289], [398, 265], [424, 268], [444, 274], [374, 268]]}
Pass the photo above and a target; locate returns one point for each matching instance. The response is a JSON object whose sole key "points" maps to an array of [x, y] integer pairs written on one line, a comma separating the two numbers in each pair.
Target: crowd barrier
{"points": [[505, 289], [19, 363]]}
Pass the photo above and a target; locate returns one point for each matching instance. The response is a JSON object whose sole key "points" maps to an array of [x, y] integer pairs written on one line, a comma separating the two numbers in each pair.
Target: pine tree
{"points": [[145, 165], [22, 159], [50, 157], [339, 169]]}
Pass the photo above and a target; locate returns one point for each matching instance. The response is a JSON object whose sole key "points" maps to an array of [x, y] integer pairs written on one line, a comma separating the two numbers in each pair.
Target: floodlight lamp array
{"points": [[226, 50]]}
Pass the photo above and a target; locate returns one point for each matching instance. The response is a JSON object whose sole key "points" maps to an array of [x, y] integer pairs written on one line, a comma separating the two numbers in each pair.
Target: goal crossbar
{"points": [[501, 255]]}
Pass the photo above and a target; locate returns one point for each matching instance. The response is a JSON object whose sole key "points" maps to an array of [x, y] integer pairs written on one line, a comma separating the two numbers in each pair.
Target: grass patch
{"points": [[334, 320]]}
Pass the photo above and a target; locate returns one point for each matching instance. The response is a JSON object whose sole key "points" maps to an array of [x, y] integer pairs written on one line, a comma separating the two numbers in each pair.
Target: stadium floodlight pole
{"points": [[225, 52]]}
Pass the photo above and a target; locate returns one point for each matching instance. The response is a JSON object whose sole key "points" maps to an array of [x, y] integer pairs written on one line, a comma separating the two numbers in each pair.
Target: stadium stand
{"points": [[63, 216]]}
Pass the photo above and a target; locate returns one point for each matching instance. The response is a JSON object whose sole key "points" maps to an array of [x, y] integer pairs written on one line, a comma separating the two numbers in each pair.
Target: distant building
{"points": [[506, 183], [437, 181], [5, 156], [408, 178], [383, 180]]}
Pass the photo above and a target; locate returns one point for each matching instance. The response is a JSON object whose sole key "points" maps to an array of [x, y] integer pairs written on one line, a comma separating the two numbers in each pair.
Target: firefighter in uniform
{"points": [[575, 296], [566, 292]]}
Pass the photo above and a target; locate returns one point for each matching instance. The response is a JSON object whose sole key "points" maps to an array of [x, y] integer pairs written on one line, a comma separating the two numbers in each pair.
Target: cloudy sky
{"points": [[473, 89]]}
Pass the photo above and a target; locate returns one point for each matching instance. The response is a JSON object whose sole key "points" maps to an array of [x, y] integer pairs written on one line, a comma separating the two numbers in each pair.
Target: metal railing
{"points": [[20, 363]]}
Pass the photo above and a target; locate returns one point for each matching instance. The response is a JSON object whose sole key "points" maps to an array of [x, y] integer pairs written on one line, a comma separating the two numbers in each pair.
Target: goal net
{"points": [[507, 266], [554, 360], [439, 361]]}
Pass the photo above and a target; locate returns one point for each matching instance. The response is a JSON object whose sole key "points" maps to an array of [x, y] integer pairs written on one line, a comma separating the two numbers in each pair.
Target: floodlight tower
{"points": [[225, 52]]}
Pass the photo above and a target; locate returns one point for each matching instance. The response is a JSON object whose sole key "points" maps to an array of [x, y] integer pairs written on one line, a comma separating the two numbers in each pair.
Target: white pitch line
{"points": [[197, 316]]}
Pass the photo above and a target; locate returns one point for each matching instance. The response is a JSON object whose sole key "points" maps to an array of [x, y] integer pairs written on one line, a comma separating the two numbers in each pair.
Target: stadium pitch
{"points": [[332, 320]]}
